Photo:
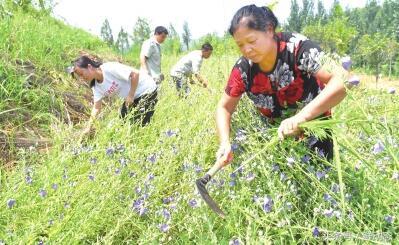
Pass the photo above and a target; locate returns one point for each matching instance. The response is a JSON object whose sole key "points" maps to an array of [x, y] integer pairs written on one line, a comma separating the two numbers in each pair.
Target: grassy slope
{"points": [[122, 159]]}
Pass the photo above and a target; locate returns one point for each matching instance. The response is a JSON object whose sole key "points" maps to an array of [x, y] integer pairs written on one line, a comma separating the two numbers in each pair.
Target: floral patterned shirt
{"points": [[291, 83]]}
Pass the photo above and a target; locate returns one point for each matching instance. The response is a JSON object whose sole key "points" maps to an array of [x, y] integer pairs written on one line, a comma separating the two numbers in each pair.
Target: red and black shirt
{"points": [[291, 83]]}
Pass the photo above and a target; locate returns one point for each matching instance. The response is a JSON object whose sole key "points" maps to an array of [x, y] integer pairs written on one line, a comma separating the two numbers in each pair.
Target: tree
{"points": [[306, 14], [106, 33], [294, 20], [122, 43], [141, 31], [374, 48], [321, 15], [186, 36], [172, 31], [172, 44]]}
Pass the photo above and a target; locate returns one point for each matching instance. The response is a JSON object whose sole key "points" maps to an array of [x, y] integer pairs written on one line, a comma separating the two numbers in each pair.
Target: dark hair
{"points": [[206, 47], [160, 29], [84, 61], [257, 18]]}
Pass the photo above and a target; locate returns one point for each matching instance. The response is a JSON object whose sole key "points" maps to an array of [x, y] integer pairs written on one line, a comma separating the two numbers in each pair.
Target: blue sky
{"points": [[203, 16]]}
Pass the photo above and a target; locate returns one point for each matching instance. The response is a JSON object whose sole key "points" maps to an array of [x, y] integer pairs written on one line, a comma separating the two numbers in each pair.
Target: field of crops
{"points": [[129, 184]]}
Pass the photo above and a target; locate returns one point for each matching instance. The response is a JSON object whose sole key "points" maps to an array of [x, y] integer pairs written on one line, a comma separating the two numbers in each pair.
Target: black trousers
{"points": [[144, 108]]}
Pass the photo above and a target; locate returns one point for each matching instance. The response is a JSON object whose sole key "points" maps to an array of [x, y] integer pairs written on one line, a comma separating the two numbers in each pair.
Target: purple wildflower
{"points": [[221, 183], [193, 203], [288, 205], [290, 161], [150, 176], [335, 188], [354, 81], [378, 147], [54, 186], [328, 212], [93, 160], [346, 62], [166, 214], [327, 197], [42, 193], [91, 177], [232, 183], [311, 141], [28, 179], [51, 222], [152, 158], [167, 200], [275, 167], [139, 208], [241, 135], [117, 171], [186, 167], [110, 151], [305, 159], [175, 150], [235, 147], [316, 232], [283, 176], [320, 175], [233, 175], [137, 189], [267, 204], [391, 90], [120, 148], [234, 241], [250, 176], [123, 162], [11, 203], [171, 133], [389, 219], [164, 227], [197, 169]]}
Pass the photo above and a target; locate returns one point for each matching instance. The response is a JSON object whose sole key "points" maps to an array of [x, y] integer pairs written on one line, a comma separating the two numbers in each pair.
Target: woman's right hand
{"points": [[224, 154]]}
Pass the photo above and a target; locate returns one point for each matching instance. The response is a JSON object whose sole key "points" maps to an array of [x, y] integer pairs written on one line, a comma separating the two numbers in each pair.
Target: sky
{"points": [[203, 16]]}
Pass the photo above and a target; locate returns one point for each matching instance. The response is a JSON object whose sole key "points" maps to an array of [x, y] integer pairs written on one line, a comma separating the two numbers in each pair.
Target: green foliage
{"points": [[141, 31], [106, 33], [186, 35], [122, 42]]}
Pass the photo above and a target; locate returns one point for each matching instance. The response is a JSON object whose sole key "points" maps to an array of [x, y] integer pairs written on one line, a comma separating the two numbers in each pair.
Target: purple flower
{"points": [[171, 133], [389, 219], [234, 241], [267, 204], [186, 167], [123, 162], [42, 193], [28, 179], [328, 212], [320, 175], [152, 158], [120, 148], [290, 161], [233, 175], [250, 176], [316, 232], [335, 188], [346, 62], [54, 186], [93, 160], [241, 135], [166, 214], [139, 208], [275, 167], [117, 171], [311, 141], [11, 203], [327, 197], [232, 183], [175, 150], [137, 190], [164, 227], [283, 176], [288, 205], [110, 151], [378, 147], [197, 169], [391, 90], [235, 147], [51, 222], [354, 81], [193, 203], [305, 159], [320, 152], [91, 177], [167, 200], [150, 177]]}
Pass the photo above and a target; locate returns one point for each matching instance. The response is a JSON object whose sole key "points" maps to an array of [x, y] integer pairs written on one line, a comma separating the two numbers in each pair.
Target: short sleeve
{"points": [[235, 85], [121, 72], [146, 49], [308, 58]]}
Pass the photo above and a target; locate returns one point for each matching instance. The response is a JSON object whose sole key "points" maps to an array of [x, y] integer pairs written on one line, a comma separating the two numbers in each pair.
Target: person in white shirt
{"points": [[150, 55], [188, 67], [108, 79]]}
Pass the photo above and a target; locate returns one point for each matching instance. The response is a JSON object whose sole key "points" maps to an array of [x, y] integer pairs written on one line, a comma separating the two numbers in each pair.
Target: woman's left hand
{"points": [[129, 100], [290, 127]]}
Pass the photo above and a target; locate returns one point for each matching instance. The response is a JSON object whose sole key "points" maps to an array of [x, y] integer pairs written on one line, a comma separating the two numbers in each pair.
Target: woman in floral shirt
{"points": [[277, 71]]}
